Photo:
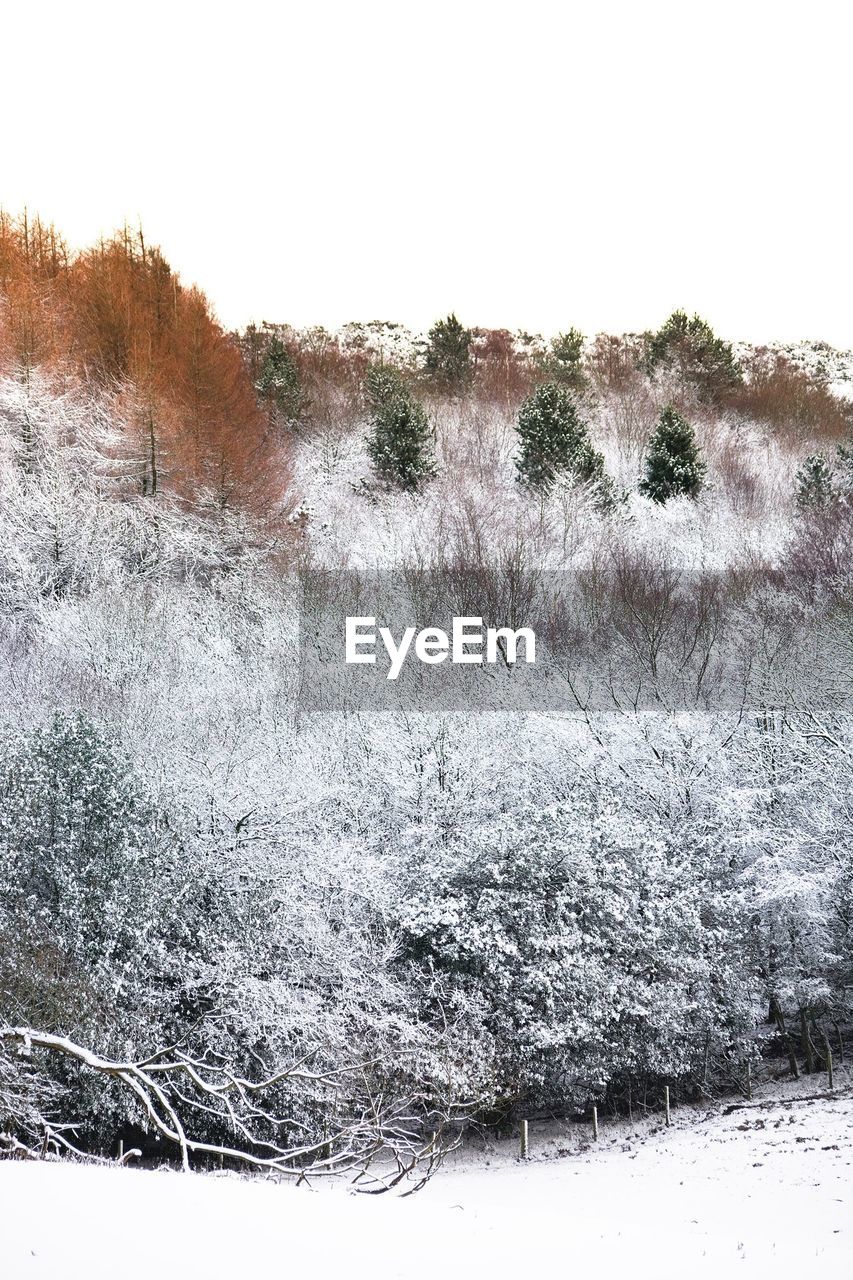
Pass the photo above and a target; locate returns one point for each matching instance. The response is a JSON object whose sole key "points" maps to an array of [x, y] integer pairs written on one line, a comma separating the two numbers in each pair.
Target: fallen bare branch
{"points": [[384, 1145]]}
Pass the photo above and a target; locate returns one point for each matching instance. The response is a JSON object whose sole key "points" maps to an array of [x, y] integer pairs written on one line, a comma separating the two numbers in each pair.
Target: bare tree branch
{"points": [[388, 1143]]}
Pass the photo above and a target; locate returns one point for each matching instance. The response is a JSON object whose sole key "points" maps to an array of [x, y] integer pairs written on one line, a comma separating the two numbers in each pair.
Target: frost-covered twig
{"points": [[388, 1143]]}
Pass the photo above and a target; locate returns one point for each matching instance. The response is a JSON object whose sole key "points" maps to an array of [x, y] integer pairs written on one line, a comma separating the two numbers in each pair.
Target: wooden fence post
{"points": [[748, 1080], [523, 1144], [828, 1052], [666, 1101], [595, 1123]]}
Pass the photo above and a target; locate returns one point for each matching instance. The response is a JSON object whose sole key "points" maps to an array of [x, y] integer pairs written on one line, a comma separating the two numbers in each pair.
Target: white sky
{"points": [[528, 164]]}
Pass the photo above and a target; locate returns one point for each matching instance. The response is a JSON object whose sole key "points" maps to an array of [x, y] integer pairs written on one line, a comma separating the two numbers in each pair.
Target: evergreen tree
{"points": [[279, 385], [448, 353], [843, 474], [553, 439], [82, 874], [400, 445], [690, 346], [382, 385], [816, 483], [674, 465], [564, 361], [588, 469]]}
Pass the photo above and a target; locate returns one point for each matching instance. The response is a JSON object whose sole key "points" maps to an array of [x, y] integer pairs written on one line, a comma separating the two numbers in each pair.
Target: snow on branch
{"points": [[389, 1141]]}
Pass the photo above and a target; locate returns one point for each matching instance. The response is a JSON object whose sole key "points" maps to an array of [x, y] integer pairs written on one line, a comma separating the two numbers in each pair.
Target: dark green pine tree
{"points": [[564, 361], [674, 465], [588, 469], [279, 385], [400, 443], [551, 434], [689, 346], [448, 353], [816, 483]]}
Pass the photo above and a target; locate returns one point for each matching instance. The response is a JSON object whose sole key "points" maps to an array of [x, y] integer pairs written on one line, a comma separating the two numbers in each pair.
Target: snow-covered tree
{"points": [[564, 361], [815, 483], [400, 444], [448, 353], [674, 466], [689, 347], [279, 385], [554, 441]]}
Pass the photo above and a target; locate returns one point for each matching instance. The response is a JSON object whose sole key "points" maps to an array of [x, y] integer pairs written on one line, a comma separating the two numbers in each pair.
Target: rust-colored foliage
{"points": [[501, 374], [33, 268], [119, 316], [612, 362], [789, 400], [332, 373]]}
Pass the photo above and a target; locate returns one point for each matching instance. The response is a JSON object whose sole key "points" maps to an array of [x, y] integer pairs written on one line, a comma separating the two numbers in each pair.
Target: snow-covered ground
{"points": [[738, 1190]]}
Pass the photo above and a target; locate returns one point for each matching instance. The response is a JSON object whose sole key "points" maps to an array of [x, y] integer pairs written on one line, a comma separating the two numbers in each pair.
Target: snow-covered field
{"points": [[763, 1190]]}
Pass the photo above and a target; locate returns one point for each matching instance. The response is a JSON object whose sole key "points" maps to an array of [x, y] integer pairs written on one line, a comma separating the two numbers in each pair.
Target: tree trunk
{"points": [[806, 1042], [783, 1031]]}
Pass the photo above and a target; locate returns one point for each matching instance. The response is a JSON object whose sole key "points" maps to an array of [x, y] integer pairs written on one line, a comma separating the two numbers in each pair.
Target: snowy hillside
{"points": [[759, 1191], [745, 516], [252, 929], [827, 364]]}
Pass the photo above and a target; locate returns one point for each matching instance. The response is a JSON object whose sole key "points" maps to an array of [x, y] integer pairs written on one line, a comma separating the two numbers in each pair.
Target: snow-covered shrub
{"points": [[83, 876], [587, 938]]}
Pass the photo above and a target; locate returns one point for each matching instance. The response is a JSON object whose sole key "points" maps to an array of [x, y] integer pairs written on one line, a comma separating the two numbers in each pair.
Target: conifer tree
{"points": [[588, 469], [690, 347], [674, 465], [554, 442], [551, 433], [564, 361], [279, 386], [843, 471], [400, 445], [448, 353], [816, 483]]}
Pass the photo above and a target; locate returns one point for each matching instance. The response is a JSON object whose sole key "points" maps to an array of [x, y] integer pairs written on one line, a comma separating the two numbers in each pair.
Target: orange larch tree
{"points": [[119, 316]]}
